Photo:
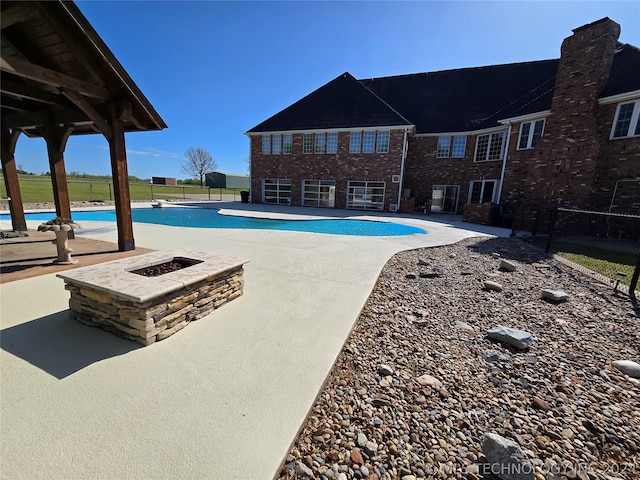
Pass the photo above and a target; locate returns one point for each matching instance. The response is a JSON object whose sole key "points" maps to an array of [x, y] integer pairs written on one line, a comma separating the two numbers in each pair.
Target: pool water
{"points": [[210, 218]]}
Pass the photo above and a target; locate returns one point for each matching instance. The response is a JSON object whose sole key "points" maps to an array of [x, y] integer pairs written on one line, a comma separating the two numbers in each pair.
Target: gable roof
{"points": [[342, 103], [448, 101], [56, 69], [469, 99]]}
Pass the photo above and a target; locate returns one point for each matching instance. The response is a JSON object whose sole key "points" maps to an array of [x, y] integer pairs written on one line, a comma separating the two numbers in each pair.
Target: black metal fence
{"points": [[607, 244]]}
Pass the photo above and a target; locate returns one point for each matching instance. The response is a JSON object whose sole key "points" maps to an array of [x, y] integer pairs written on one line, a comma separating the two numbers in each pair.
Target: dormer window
{"points": [[530, 133], [626, 122]]}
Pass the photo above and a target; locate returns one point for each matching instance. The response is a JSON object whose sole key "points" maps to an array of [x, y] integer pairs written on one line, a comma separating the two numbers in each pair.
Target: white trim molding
{"points": [[526, 118], [622, 97]]}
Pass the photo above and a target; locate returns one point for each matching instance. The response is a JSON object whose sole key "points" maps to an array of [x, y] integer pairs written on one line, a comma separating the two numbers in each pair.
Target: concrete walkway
{"points": [[222, 399]]}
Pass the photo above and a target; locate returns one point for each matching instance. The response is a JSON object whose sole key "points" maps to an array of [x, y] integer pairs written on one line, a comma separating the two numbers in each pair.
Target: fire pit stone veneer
{"points": [[147, 309]]}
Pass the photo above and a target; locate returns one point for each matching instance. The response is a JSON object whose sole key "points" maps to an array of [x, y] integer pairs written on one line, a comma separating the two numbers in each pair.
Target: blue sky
{"points": [[214, 70]]}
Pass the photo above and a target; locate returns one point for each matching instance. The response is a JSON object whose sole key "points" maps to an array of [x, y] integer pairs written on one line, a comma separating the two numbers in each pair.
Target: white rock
{"points": [[463, 325], [508, 266], [489, 285], [555, 295], [428, 380], [512, 336], [628, 367]]}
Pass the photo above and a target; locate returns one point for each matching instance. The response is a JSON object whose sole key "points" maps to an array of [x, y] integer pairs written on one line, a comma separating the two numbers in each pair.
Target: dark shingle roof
{"points": [[470, 98], [625, 72], [341, 103], [461, 100]]}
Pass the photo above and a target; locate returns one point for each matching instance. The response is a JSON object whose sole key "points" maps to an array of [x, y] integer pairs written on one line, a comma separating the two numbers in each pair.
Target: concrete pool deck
{"points": [[223, 398]]}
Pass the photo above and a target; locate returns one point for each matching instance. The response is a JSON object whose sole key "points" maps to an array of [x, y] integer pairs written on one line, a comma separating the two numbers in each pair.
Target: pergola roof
{"points": [[57, 70]]}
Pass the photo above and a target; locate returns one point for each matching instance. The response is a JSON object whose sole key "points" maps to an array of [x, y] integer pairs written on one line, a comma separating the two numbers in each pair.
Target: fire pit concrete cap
{"points": [[117, 279]]}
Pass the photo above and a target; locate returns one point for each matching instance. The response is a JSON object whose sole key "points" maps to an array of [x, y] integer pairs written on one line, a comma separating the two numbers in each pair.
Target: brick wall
{"points": [[423, 170], [561, 170], [341, 167]]}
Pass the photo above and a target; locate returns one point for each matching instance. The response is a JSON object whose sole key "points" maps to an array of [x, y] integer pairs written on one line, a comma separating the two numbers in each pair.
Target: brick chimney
{"points": [[571, 142]]}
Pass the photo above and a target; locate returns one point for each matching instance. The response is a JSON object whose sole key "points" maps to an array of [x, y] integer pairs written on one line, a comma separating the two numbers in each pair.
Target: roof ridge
{"points": [[479, 67]]}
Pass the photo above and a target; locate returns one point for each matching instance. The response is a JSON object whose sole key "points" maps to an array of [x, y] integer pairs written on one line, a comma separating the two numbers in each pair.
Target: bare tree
{"points": [[198, 162]]}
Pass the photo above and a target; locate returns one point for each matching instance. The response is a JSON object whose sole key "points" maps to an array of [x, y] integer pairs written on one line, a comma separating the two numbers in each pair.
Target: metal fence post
{"points": [[634, 279], [552, 224], [535, 223]]}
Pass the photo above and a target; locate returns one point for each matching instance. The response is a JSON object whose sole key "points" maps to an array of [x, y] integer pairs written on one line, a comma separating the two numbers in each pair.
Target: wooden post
{"points": [[56, 138], [120, 175], [10, 174]]}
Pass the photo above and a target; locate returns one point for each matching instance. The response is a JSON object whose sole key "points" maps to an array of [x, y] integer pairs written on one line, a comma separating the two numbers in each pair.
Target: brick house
{"points": [[561, 132]]}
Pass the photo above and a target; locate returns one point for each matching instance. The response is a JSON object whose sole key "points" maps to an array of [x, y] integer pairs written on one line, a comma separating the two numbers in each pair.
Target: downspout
{"points": [[504, 163], [404, 156]]}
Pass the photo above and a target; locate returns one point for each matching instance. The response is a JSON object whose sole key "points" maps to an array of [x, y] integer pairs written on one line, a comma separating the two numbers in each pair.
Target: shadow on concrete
{"points": [[61, 346]]}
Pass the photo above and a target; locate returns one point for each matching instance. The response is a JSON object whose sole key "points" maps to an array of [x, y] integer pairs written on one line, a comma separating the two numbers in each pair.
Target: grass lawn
{"points": [[600, 260], [39, 189]]}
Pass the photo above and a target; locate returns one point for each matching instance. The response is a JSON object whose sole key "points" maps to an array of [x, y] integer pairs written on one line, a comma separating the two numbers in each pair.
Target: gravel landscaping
{"points": [[420, 390]]}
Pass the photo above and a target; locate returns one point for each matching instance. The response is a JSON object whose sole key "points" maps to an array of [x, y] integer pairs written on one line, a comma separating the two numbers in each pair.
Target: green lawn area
{"points": [[39, 189], [603, 261]]}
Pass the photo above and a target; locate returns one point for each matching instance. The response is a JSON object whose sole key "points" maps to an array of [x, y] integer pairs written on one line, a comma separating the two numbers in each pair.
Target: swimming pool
{"points": [[211, 218]]}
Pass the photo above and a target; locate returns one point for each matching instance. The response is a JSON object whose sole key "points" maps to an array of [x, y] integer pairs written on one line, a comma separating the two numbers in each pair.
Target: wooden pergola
{"points": [[60, 79]]}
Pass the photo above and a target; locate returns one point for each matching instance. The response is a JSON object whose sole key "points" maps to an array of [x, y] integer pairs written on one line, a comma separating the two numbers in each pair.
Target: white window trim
{"points": [[378, 149], [263, 150], [278, 183], [317, 200], [502, 147], [531, 130], [453, 142], [632, 125], [449, 142], [367, 203], [493, 195]]}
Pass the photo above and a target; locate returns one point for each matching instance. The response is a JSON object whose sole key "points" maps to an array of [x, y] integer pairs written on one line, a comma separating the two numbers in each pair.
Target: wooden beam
{"points": [[70, 115], [56, 138], [18, 14], [22, 91], [82, 103], [47, 76], [10, 173], [120, 175]]}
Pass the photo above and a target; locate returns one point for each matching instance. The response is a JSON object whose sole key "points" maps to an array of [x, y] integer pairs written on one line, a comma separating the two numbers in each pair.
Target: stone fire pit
{"points": [[152, 296]]}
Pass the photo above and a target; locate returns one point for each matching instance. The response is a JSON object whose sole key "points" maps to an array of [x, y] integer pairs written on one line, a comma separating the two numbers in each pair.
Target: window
{"points": [[459, 146], [307, 143], [319, 193], [332, 143], [276, 190], [482, 191], [320, 138], [276, 147], [287, 143], [365, 195], [530, 133], [445, 148], [354, 142], [368, 142], [626, 123], [490, 147], [266, 144], [382, 142], [444, 198]]}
